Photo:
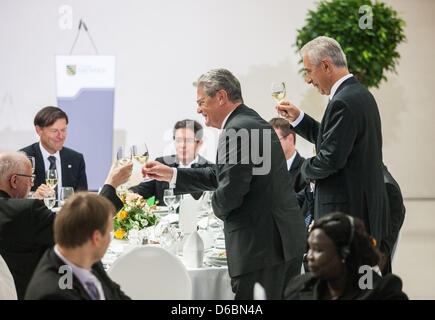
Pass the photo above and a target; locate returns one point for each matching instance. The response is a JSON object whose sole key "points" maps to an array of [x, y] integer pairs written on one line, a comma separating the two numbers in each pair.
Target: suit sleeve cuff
{"points": [[298, 120], [173, 181]]}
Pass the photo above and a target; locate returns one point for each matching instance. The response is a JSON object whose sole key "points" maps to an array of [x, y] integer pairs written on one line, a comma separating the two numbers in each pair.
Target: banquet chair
{"points": [[7, 284], [151, 273]]}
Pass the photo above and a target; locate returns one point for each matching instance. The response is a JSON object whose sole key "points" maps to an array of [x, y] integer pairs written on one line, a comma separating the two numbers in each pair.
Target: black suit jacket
{"points": [[396, 208], [73, 167], [348, 166], [45, 282], [155, 188], [295, 173], [26, 231], [262, 223], [308, 287]]}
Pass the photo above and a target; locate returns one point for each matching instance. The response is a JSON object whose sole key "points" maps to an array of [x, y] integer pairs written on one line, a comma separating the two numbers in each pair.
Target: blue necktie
{"points": [[92, 290]]}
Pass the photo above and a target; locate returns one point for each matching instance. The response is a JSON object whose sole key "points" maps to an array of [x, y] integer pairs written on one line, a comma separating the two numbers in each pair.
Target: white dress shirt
{"points": [[45, 155], [331, 95], [290, 161]]}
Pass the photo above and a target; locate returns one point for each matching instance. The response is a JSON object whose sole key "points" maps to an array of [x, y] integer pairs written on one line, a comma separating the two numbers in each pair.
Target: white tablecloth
{"points": [[208, 283]]}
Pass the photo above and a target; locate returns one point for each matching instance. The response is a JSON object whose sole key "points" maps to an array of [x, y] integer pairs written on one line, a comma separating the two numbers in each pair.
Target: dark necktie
{"points": [[92, 290], [52, 160]]}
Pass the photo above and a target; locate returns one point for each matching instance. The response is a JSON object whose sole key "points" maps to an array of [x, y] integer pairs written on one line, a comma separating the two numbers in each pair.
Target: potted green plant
{"points": [[368, 33]]}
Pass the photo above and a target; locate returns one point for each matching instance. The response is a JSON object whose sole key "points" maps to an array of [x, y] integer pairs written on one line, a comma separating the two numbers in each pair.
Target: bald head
{"points": [[12, 166]]}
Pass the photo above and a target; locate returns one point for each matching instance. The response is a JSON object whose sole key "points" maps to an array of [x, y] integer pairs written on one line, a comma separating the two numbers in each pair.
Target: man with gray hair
{"points": [[264, 230], [26, 225], [347, 168]]}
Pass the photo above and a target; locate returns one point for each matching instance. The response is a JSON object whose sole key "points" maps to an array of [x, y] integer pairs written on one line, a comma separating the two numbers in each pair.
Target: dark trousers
{"points": [[273, 279]]}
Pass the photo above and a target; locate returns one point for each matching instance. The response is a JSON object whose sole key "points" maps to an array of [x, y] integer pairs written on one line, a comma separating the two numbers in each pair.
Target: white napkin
{"points": [[193, 250]]}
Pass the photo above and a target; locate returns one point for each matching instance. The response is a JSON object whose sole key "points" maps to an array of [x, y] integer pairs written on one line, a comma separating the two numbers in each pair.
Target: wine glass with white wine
{"points": [[51, 180], [123, 155], [141, 155], [278, 91]]}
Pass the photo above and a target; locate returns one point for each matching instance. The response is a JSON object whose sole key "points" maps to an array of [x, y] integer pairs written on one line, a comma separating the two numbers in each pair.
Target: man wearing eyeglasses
{"points": [[187, 135], [49, 153], [26, 225]]}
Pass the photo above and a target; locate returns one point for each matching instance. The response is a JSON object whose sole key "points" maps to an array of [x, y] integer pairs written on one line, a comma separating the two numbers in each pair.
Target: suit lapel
{"points": [[65, 169], [39, 166]]}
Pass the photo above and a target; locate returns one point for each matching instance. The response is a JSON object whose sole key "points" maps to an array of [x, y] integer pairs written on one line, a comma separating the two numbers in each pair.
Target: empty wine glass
{"points": [[141, 154], [50, 200], [171, 200], [123, 155], [65, 193]]}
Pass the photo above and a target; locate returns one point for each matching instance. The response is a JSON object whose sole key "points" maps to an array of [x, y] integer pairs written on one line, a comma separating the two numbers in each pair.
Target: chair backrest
{"points": [[151, 273], [7, 284]]}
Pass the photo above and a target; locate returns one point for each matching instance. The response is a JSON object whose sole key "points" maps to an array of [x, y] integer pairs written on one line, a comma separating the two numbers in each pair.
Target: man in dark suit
{"points": [[187, 135], [26, 225], [287, 137], [347, 168], [72, 270], [397, 216], [264, 230], [49, 153]]}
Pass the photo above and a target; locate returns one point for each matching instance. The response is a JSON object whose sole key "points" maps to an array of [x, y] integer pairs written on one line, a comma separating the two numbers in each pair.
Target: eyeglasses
{"points": [[32, 177]]}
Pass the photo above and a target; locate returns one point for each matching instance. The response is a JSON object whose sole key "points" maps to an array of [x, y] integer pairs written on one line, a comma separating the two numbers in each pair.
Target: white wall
{"points": [[163, 46]]}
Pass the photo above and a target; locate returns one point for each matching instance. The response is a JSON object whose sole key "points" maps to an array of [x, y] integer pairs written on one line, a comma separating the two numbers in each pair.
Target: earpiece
{"points": [[345, 251]]}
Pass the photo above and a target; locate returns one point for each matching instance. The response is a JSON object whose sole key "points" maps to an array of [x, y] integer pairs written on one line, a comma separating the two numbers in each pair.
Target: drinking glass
{"points": [[278, 91], [141, 154], [32, 161], [50, 201], [51, 179], [65, 193], [171, 200], [123, 155]]}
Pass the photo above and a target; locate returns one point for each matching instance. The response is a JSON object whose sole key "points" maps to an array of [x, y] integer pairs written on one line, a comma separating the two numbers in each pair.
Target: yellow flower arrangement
{"points": [[137, 213]]}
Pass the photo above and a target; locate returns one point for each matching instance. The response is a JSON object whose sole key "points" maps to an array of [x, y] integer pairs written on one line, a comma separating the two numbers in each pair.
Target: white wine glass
{"points": [[123, 155], [278, 91], [51, 179], [141, 154]]}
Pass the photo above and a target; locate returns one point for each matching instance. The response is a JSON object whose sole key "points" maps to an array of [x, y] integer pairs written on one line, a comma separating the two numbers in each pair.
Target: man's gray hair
{"points": [[11, 163], [221, 79], [324, 47]]}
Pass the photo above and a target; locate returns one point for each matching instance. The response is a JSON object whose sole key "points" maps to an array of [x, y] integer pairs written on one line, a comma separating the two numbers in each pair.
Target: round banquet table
{"points": [[208, 282]]}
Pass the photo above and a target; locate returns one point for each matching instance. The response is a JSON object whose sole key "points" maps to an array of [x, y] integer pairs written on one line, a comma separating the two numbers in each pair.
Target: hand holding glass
{"points": [[141, 154]]}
